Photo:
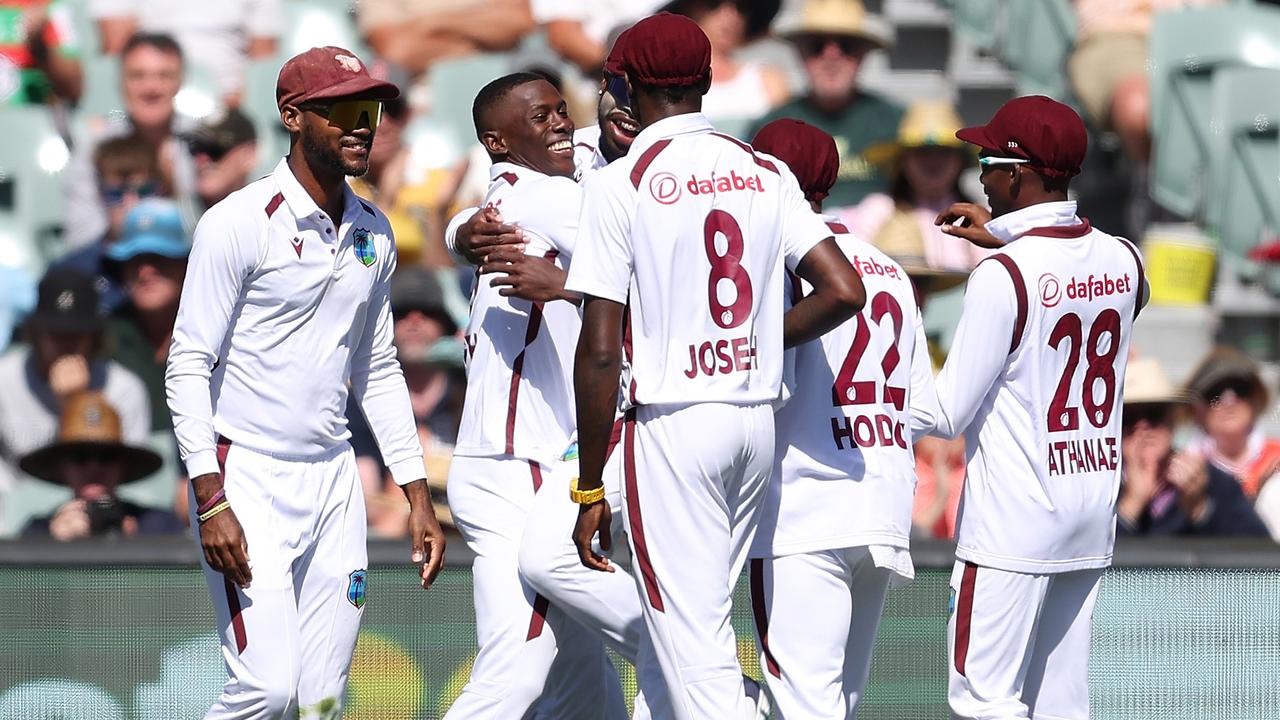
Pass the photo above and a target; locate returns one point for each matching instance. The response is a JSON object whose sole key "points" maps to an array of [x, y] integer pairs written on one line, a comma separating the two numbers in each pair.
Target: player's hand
{"points": [[70, 522], [485, 232], [527, 277], [968, 221], [425, 533], [594, 519], [225, 547], [68, 375]]}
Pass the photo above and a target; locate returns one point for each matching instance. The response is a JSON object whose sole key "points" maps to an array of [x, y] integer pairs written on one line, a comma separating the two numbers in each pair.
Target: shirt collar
{"points": [[1062, 214], [300, 202], [512, 170], [685, 124]]}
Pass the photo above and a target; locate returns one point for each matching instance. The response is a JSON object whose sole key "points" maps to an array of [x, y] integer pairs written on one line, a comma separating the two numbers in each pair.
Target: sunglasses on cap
{"points": [[115, 193], [811, 46], [348, 114], [987, 161]]}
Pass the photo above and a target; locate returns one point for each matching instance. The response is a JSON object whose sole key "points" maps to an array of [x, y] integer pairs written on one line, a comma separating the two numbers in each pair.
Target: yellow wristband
{"points": [[215, 510], [585, 497]]}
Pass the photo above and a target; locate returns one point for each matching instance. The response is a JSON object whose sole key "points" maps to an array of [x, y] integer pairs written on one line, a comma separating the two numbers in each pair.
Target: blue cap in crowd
{"points": [[153, 227]]}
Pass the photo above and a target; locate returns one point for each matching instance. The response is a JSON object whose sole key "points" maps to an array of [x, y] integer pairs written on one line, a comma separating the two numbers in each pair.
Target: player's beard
{"points": [[320, 155]]}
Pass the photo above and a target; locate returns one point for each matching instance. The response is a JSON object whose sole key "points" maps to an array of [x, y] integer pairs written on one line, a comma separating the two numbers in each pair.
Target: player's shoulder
{"points": [[587, 137], [872, 263], [251, 205]]}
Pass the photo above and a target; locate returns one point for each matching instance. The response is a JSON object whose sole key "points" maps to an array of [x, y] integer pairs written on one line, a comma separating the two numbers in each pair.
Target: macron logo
{"points": [[721, 184]]}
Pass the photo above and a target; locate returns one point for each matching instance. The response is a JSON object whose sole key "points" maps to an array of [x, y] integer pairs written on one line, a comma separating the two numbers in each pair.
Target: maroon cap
{"points": [[613, 64], [324, 73], [1043, 131], [666, 50], [809, 152]]}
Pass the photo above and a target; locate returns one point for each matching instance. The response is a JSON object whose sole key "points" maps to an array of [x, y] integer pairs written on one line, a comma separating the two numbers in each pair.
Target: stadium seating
{"points": [[454, 83], [1038, 48], [1244, 160], [32, 157], [980, 20], [1187, 47]]}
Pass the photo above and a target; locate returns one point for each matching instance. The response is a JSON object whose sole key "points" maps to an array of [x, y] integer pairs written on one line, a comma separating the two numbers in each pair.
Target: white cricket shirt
{"points": [[695, 230], [520, 398], [280, 310], [844, 469], [1034, 380]]}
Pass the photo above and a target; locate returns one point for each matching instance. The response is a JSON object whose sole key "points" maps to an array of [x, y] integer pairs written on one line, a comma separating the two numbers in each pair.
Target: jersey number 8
{"points": [[726, 267]]}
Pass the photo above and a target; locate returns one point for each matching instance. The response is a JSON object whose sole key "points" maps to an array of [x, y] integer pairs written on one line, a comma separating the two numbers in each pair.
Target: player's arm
{"points": [[601, 271], [223, 254], [980, 349], [838, 294], [553, 220], [474, 233], [924, 393], [378, 385], [812, 253]]}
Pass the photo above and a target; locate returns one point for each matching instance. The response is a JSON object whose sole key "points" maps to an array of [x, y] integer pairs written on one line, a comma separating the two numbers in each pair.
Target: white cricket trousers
{"points": [[693, 479], [288, 638], [520, 633], [1019, 644], [603, 603], [816, 616]]}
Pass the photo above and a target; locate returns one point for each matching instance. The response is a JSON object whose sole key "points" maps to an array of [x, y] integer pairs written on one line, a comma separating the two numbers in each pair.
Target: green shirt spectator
{"points": [[867, 120], [833, 37], [39, 56]]}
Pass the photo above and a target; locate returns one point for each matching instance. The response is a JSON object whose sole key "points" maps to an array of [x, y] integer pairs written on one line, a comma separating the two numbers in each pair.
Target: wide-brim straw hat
{"points": [[927, 123], [1145, 383], [838, 17], [89, 424], [900, 238]]}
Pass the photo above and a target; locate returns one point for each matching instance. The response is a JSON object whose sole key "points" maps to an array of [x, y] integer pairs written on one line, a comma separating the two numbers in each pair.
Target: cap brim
{"points": [[46, 463], [356, 87], [977, 135], [122, 252]]}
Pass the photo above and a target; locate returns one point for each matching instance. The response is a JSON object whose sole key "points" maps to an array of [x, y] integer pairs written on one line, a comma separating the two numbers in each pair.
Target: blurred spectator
{"points": [[740, 91], [923, 166], [225, 148], [1108, 67], [39, 55], [128, 170], [430, 354], [415, 34], [1229, 398], [151, 73], [939, 485], [90, 457], [151, 261], [581, 32], [1164, 492], [833, 37], [63, 358], [220, 37]]}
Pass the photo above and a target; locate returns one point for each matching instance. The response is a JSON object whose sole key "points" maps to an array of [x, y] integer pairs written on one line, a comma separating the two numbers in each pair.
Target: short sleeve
{"points": [[603, 259]]}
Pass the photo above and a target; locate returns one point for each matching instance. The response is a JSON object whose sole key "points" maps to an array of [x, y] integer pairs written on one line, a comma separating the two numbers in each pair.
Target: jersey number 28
{"points": [[1100, 367]]}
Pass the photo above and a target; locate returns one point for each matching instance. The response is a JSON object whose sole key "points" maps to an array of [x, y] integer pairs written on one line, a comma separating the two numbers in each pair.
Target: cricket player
{"points": [[604, 603], [1034, 381], [286, 302], [836, 522], [518, 417], [689, 237]]}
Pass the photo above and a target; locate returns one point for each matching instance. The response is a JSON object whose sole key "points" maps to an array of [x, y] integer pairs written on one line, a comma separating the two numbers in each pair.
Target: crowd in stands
{"points": [[86, 444]]}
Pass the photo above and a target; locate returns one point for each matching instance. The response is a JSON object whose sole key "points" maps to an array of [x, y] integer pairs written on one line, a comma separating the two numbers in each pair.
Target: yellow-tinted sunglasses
{"points": [[347, 114]]}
